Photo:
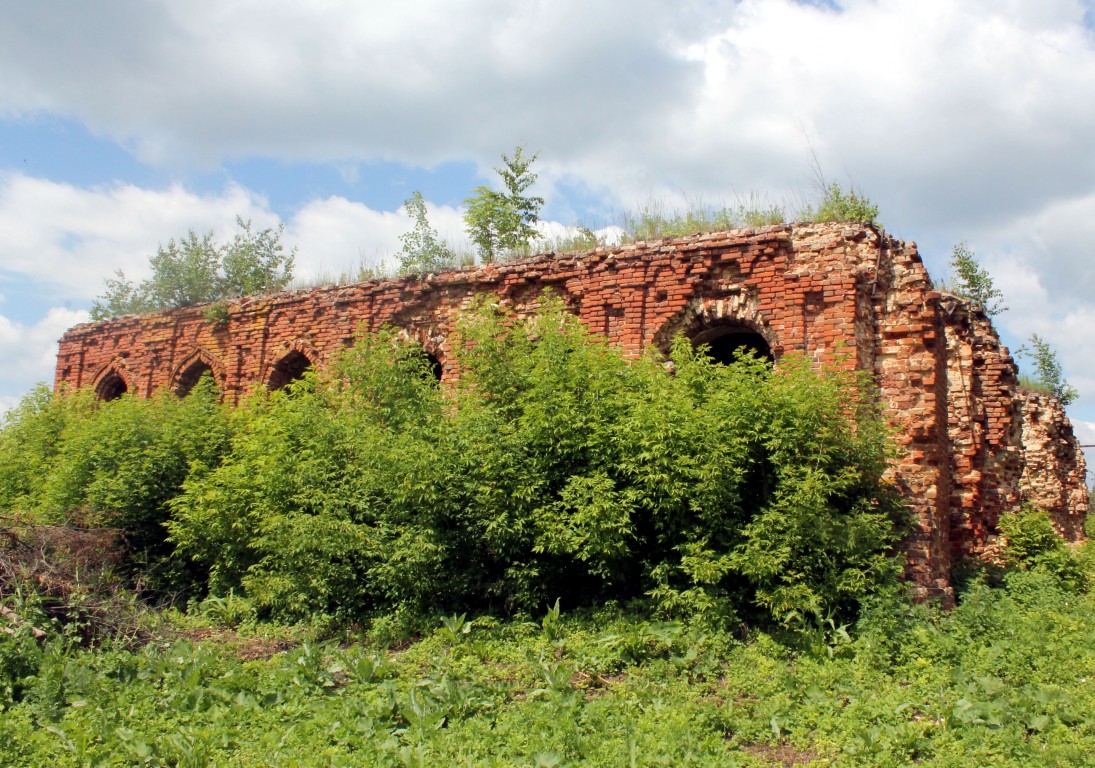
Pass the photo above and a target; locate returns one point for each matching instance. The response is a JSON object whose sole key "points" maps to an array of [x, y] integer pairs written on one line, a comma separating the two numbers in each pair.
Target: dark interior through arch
{"points": [[111, 387], [288, 369], [191, 376], [727, 343], [434, 364]]}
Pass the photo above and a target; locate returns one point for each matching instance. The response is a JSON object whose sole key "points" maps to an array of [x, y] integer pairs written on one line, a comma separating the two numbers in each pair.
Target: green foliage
{"points": [[423, 249], [653, 220], [553, 466], [973, 282], [29, 444], [502, 223], [1033, 544], [196, 270], [216, 313], [838, 205], [1048, 369], [1048, 372], [114, 464], [1003, 680]]}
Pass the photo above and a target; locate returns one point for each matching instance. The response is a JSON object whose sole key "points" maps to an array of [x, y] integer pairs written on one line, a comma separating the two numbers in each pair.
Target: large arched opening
{"points": [[288, 369], [111, 387], [727, 343]]}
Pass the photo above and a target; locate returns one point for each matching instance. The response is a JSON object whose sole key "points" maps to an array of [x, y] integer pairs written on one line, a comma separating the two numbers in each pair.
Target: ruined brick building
{"points": [[973, 444]]}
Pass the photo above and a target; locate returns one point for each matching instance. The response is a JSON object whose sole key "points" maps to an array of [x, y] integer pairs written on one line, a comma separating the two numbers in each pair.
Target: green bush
{"points": [[838, 205], [30, 441], [115, 464], [1033, 544], [553, 466]]}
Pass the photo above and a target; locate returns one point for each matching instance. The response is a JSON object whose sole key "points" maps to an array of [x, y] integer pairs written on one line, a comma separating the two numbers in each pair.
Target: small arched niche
{"points": [[728, 343], [111, 387], [189, 378], [288, 369]]}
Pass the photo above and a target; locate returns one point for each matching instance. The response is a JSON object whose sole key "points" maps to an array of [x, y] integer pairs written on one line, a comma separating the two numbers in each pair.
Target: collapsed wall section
{"points": [[1009, 445], [970, 445]]}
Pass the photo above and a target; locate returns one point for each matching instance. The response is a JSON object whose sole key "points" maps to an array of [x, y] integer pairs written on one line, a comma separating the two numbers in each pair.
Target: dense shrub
{"points": [[116, 464], [553, 466], [1034, 545]]}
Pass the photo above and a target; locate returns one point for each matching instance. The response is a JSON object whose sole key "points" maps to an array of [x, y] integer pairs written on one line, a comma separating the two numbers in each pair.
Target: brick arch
{"points": [[703, 319], [290, 363], [190, 370], [433, 340], [113, 380]]}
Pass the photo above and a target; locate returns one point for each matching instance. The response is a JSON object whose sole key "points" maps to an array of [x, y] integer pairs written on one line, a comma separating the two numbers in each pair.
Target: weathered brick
{"points": [[973, 444]]}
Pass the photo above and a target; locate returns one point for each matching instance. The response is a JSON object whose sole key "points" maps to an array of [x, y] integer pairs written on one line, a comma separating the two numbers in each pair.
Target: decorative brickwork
{"points": [[971, 443]]}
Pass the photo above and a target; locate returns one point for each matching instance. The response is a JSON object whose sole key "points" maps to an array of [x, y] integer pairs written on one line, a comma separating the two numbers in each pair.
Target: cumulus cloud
{"points": [[408, 81], [950, 113], [963, 119], [30, 352], [72, 237]]}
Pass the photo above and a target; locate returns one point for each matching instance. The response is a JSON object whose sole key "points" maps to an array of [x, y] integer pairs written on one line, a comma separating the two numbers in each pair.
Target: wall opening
{"points": [[727, 343], [111, 387], [189, 378], [435, 365], [288, 369]]}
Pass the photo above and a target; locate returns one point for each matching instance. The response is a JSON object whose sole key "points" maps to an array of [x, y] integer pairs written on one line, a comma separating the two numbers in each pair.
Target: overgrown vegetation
{"points": [[564, 558], [1048, 374], [1003, 680], [838, 205], [423, 249], [552, 467], [503, 223], [196, 270], [973, 282]]}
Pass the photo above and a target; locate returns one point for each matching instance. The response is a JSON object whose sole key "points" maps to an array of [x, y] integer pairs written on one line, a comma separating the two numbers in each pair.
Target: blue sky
{"points": [[125, 123]]}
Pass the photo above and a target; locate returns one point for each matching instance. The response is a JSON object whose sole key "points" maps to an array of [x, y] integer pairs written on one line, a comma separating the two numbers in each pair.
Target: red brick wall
{"points": [[845, 294]]}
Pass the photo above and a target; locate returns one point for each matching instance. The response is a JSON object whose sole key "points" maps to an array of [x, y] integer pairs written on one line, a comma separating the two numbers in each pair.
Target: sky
{"points": [[124, 123]]}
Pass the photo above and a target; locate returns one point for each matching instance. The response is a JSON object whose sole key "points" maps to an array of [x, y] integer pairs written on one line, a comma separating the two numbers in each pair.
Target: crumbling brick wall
{"points": [[971, 444]]}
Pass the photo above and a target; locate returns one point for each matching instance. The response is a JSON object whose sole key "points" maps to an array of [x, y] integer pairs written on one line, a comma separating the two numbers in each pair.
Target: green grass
{"points": [[1034, 384], [1003, 680]]}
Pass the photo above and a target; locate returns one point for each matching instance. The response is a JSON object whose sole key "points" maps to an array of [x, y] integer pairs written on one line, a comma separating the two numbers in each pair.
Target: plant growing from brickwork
{"points": [[501, 223], [838, 205], [973, 282], [423, 249], [194, 270], [1048, 371], [654, 219]]}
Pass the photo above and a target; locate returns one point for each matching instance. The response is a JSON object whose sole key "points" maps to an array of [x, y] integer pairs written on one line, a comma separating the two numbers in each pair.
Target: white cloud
{"points": [[962, 119], [30, 352], [71, 237], [948, 112], [74, 238]]}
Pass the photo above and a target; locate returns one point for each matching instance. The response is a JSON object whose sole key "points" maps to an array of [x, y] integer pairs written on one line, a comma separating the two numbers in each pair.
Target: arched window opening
{"points": [[191, 376], [435, 365], [111, 387], [290, 368], [726, 344]]}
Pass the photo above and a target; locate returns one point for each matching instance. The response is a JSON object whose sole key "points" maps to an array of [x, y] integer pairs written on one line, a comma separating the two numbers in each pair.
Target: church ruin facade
{"points": [[972, 444]]}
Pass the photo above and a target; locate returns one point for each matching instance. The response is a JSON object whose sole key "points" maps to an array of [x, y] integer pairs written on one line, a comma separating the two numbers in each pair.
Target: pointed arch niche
{"points": [[288, 369], [195, 365], [291, 364], [110, 384]]}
